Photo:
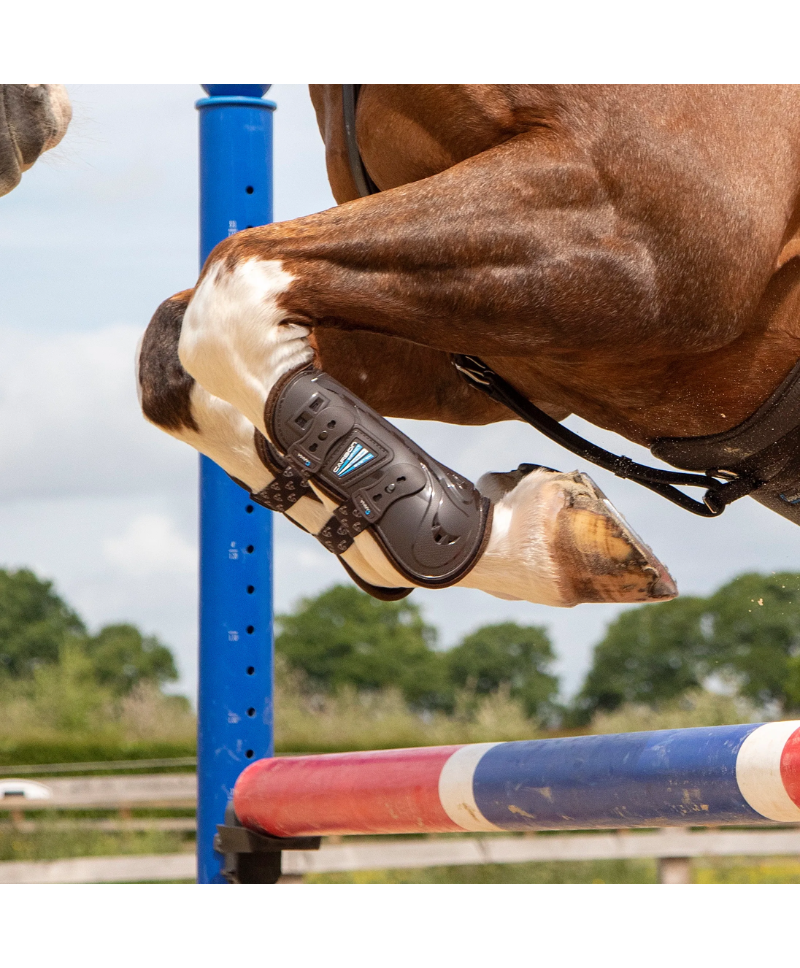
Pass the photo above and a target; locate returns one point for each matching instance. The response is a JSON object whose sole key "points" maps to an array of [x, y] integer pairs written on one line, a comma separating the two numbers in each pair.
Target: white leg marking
{"points": [[226, 437], [233, 338], [517, 563]]}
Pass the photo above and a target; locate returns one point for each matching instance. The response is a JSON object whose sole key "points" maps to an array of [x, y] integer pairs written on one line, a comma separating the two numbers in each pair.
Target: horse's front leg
{"points": [[544, 525], [553, 538], [418, 264], [172, 400]]}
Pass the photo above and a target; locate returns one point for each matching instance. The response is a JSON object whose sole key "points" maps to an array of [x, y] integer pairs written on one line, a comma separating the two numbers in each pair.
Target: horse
{"points": [[33, 119], [628, 254]]}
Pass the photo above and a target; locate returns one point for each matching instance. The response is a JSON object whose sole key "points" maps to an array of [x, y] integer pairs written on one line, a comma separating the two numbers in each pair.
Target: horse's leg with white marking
{"points": [[555, 539], [173, 401]]}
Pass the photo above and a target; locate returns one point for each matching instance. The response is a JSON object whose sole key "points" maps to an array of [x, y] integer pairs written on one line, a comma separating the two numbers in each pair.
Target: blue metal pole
{"points": [[235, 690]]}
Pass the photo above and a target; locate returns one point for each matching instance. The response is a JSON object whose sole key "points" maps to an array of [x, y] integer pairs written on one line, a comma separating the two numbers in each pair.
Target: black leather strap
{"points": [[364, 184], [718, 493], [774, 419]]}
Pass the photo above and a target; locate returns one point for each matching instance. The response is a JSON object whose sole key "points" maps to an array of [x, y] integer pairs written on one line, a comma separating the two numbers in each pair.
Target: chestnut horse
{"points": [[624, 253]]}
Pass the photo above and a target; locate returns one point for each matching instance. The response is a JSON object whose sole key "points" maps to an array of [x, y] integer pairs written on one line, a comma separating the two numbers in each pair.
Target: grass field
{"points": [[777, 870]]}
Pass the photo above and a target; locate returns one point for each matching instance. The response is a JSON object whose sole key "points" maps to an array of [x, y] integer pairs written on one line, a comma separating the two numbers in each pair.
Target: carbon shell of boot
{"points": [[431, 522]]}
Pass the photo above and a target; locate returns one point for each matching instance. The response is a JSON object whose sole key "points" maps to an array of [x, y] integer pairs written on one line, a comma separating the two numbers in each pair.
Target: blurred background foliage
{"points": [[743, 640], [356, 673]]}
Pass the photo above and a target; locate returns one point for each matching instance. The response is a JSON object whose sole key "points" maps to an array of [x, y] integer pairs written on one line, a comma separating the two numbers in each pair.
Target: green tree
{"points": [[344, 637], [122, 658], [507, 655], [648, 655], [34, 623], [37, 628], [756, 636], [747, 633]]}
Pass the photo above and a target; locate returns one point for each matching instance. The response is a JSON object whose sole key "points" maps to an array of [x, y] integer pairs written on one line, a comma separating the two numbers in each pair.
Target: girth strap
{"points": [[364, 184], [719, 493]]}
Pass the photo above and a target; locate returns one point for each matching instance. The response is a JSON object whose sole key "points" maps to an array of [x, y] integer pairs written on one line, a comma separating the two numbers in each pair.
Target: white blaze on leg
{"points": [[517, 563], [234, 341], [226, 436]]}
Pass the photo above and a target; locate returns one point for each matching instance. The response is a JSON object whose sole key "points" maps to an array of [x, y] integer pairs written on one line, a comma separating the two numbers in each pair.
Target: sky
{"points": [[99, 232]]}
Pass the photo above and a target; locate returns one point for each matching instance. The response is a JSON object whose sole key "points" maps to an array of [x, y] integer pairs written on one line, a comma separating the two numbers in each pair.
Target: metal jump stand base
{"points": [[254, 858]]}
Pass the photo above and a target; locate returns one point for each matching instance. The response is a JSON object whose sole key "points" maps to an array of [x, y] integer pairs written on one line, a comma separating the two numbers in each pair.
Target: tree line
{"points": [[343, 637], [744, 639], [38, 629]]}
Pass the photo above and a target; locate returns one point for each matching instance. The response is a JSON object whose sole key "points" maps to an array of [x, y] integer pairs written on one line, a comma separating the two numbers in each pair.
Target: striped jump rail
{"points": [[738, 775]]}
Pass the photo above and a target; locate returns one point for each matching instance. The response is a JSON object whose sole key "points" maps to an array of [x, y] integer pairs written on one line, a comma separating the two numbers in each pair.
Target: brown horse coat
{"points": [[623, 253]]}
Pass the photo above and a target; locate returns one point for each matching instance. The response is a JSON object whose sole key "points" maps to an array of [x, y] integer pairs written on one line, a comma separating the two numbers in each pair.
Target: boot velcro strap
{"points": [[334, 537], [290, 483], [283, 492]]}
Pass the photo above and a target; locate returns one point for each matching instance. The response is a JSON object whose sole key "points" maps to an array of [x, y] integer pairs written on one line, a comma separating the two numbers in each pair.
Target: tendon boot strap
{"points": [[430, 522], [289, 484], [286, 490]]}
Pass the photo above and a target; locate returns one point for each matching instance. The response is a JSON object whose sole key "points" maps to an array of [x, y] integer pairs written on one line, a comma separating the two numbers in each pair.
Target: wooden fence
{"points": [[673, 847]]}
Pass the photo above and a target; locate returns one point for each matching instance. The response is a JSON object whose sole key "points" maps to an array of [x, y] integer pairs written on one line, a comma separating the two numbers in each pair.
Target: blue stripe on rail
{"points": [[666, 778]]}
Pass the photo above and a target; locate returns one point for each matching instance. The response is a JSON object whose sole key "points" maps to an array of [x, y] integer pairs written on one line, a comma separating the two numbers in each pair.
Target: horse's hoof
{"points": [[599, 557]]}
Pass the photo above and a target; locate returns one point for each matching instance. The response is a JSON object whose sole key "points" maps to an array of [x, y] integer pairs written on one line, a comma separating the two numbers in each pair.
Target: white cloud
{"points": [[70, 422], [150, 546]]}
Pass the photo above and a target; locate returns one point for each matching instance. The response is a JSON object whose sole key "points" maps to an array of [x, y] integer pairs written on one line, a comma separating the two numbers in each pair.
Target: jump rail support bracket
{"points": [[254, 858]]}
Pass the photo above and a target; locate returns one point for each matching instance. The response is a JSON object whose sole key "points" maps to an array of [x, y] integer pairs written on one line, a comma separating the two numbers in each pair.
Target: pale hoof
{"points": [[599, 557], [557, 540]]}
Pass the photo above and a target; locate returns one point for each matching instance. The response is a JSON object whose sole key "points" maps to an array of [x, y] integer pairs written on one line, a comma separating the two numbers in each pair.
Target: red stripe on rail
{"points": [[375, 792], [790, 767]]}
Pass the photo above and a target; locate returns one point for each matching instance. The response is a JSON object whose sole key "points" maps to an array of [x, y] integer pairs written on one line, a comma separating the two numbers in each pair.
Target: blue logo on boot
{"points": [[356, 455]]}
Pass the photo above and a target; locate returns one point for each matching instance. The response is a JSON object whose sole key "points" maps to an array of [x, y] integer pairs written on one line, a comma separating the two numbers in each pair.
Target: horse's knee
{"points": [[236, 339]]}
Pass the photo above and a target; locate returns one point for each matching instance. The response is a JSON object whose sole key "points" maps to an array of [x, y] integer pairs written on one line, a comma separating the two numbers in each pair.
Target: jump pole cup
{"points": [[236, 658]]}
